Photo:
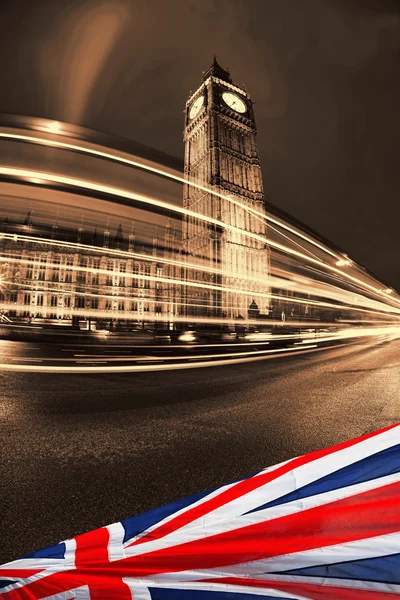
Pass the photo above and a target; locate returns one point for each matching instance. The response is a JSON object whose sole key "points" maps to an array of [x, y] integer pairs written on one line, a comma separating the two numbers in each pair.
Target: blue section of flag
{"points": [[5, 582], [136, 525], [385, 569], [378, 465], [57, 551]]}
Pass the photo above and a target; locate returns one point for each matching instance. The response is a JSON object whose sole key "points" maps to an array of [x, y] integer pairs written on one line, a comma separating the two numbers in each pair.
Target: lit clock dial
{"points": [[196, 107], [234, 102]]}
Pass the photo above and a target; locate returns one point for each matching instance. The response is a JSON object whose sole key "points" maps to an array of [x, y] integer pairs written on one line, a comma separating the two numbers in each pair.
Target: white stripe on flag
{"points": [[299, 477], [375, 547], [297, 506], [218, 587]]}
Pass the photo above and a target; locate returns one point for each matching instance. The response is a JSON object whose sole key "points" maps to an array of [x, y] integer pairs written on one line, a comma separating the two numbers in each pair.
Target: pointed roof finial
{"points": [[54, 228], [28, 218], [119, 238], [81, 225], [217, 71]]}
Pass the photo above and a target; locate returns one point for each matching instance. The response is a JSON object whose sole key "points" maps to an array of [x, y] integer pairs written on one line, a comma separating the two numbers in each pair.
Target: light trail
{"points": [[140, 165], [316, 289], [383, 308], [156, 300], [158, 363], [115, 314], [158, 367], [292, 241], [286, 280], [45, 177], [130, 255], [245, 358]]}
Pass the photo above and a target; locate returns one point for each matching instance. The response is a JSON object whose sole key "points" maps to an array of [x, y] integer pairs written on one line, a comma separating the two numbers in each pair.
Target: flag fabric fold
{"points": [[322, 526]]}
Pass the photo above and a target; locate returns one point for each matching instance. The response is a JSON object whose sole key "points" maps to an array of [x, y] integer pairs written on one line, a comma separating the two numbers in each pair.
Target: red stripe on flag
{"points": [[93, 569], [372, 513], [92, 548], [19, 572], [246, 486]]}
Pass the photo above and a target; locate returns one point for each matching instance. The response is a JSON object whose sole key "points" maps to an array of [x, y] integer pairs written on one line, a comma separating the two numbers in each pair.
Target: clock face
{"points": [[196, 106], [234, 102]]}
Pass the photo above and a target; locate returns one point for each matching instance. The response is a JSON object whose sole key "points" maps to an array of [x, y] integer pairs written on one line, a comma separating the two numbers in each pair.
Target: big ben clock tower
{"points": [[221, 155]]}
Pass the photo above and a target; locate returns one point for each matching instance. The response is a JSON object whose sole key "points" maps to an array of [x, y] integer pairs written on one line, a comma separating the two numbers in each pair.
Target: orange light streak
{"points": [[115, 314], [169, 175], [315, 289], [192, 284], [23, 173], [158, 367], [248, 357]]}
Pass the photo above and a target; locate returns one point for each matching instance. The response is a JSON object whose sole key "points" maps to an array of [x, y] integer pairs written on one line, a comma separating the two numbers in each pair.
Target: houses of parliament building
{"points": [[216, 266]]}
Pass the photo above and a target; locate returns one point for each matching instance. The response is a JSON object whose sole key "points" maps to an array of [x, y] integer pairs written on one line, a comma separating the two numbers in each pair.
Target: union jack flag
{"points": [[323, 526]]}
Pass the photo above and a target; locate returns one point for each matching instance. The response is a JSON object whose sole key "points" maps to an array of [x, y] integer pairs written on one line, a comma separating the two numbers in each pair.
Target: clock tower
{"points": [[221, 155]]}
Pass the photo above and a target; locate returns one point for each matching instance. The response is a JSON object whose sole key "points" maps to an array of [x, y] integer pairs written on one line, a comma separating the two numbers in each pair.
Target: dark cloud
{"points": [[323, 75]]}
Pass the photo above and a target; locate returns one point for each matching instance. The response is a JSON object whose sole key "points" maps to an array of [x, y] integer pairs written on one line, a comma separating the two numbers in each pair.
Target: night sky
{"points": [[323, 74]]}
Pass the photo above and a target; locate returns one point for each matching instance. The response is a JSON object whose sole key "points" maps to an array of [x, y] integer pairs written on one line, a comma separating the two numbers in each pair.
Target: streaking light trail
{"points": [[376, 308], [142, 165], [147, 200], [200, 306]]}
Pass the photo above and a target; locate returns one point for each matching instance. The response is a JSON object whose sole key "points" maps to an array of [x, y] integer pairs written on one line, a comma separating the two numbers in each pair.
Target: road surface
{"points": [[81, 451]]}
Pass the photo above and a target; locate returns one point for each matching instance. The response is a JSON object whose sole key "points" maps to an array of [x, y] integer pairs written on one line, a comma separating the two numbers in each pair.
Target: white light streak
{"points": [[112, 191], [170, 175]]}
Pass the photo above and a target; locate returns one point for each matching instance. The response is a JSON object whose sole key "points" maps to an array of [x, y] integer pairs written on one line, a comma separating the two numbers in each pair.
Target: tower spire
{"points": [[217, 71], [119, 238], [131, 239], [80, 231], [155, 243], [54, 229], [106, 239], [28, 221]]}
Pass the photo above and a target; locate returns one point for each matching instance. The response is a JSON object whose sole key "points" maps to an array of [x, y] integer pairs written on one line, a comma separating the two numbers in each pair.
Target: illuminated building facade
{"points": [[51, 280], [214, 269], [221, 154]]}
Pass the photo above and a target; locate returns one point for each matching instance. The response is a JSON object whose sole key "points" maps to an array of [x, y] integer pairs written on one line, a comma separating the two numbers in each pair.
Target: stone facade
{"points": [[213, 268], [221, 154], [51, 280]]}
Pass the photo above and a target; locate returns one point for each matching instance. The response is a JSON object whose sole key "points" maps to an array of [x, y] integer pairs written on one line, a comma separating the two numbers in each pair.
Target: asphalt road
{"points": [[81, 451]]}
